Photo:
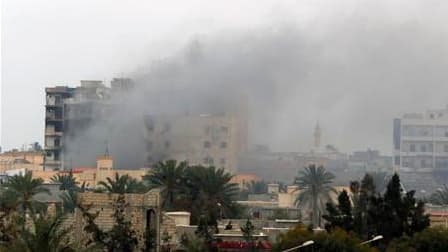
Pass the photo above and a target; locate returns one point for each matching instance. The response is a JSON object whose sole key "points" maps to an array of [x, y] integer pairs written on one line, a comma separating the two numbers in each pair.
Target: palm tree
{"points": [[169, 177], [122, 184], [211, 192], [25, 187], [46, 236], [440, 197], [315, 188], [68, 182]]}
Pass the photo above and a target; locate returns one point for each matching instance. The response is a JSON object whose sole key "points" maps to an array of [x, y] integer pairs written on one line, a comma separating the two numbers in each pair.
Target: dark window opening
{"points": [[57, 142]]}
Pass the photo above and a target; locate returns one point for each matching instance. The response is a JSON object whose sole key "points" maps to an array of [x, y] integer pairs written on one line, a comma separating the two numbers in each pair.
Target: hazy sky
{"points": [[362, 62]]}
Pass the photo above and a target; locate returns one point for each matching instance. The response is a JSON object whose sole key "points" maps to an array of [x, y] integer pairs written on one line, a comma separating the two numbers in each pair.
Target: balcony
{"points": [[52, 147], [53, 117], [52, 132]]}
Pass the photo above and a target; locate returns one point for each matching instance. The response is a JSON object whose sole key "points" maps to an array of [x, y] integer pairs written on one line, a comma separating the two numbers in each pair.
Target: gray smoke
{"points": [[353, 72]]}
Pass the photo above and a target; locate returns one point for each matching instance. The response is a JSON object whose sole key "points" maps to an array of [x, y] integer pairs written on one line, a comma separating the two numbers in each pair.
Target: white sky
{"points": [[59, 42]]}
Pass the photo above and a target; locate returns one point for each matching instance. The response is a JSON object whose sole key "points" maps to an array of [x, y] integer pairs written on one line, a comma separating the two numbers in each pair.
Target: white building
{"points": [[421, 147]]}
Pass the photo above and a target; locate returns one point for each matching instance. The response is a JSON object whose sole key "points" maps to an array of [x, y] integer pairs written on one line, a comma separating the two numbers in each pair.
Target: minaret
{"points": [[317, 136]]}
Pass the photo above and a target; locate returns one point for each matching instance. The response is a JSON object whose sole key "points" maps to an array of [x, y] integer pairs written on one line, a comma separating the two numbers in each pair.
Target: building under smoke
{"points": [[69, 112], [421, 149], [204, 139], [141, 126]]}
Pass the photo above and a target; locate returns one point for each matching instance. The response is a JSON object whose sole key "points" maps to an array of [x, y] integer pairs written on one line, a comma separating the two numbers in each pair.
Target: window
{"points": [[222, 161], [149, 123], [207, 144], [149, 145], [167, 144], [207, 130], [57, 142], [423, 163], [208, 160], [423, 148], [58, 100], [224, 129], [223, 145], [166, 127], [445, 148], [412, 148], [48, 154]]}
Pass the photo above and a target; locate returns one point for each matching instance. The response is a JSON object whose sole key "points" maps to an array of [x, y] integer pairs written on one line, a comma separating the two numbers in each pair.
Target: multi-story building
{"points": [[421, 145], [54, 124], [69, 111], [207, 139]]}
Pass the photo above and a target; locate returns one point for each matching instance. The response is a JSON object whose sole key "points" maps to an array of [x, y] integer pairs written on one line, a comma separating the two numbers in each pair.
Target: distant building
{"points": [[91, 176], [370, 161], [29, 160], [283, 166], [202, 139], [420, 143]]}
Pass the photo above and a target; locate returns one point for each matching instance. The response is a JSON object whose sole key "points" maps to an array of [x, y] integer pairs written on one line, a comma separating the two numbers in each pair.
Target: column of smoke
{"points": [[352, 73]]}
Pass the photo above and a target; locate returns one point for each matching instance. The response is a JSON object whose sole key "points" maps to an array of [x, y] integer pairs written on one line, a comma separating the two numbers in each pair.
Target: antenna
{"points": [[106, 153]]}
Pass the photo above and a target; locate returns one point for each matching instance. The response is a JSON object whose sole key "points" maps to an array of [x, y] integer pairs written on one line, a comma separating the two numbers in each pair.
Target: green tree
{"points": [[340, 215], [46, 235], [24, 187], [315, 188], [434, 239], [68, 182], [169, 177], [440, 197], [121, 237], [392, 215], [210, 192], [248, 231], [380, 180], [336, 241], [122, 184]]}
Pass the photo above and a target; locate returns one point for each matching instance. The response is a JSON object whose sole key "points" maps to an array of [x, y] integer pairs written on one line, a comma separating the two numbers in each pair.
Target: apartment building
{"points": [[205, 139], [421, 141], [69, 111], [421, 149]]}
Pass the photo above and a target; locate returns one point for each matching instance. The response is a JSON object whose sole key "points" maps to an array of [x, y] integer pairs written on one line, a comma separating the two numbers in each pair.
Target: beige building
{"points": [[206, 139], [15, 160], [91, 176]]}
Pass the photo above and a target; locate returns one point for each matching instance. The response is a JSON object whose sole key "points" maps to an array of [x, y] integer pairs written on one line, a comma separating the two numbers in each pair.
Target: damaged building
{"points": [[70, 111]]}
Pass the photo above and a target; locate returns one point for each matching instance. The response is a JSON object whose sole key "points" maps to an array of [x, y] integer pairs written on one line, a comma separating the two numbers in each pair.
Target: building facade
{"points": [[421, 147], [205, 139], [70, 111], [29, 160]]}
